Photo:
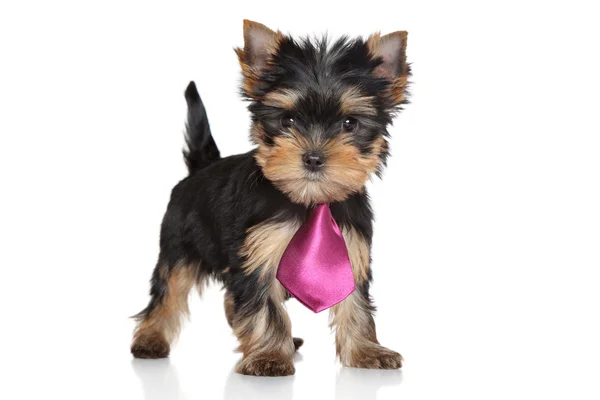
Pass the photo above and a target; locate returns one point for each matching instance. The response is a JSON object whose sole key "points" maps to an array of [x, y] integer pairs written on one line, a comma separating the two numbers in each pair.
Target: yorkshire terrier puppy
{"points": [[320, 112]]}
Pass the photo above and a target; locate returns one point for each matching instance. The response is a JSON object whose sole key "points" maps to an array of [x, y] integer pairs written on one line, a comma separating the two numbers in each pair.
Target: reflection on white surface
{"points": [[255, 387], [258, 387], [363, 384], [159, 379]]}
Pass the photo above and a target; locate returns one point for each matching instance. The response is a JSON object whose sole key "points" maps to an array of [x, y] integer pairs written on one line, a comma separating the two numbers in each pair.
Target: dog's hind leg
{"points": [[158, 325]]}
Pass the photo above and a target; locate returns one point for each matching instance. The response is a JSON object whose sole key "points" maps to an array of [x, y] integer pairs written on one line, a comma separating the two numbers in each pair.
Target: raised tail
{"points": [[201, 147]]}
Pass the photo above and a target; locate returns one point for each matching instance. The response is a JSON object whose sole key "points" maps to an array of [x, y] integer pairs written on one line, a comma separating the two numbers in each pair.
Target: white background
{"points": [[486, 248]]}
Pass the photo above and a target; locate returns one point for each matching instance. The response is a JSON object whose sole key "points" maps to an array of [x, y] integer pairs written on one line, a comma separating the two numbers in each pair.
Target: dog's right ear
{"points": [[260, 45]]}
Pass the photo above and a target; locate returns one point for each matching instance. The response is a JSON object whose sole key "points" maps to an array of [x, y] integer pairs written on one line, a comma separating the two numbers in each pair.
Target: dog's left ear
{"points": [[391, 51], [260, 45]]}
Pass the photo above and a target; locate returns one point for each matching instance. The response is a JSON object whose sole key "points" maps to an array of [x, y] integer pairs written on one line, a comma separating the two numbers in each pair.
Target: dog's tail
{"points": [[201, 149]]}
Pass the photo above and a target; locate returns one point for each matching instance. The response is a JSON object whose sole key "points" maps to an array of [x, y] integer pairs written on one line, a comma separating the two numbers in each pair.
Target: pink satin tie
{"points": [[315, 267]]}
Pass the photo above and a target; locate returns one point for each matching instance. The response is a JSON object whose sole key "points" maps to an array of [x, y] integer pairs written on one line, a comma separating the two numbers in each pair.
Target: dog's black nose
{"points": [[313, 160]]}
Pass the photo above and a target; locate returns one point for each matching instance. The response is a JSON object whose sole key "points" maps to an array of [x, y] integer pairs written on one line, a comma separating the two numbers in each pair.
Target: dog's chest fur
{"points": [[266, 242]]}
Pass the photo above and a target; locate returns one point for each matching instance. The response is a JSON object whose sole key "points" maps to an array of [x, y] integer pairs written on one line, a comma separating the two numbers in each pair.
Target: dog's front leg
{"points": [[352, 319], [355, 337], [263, 329]]}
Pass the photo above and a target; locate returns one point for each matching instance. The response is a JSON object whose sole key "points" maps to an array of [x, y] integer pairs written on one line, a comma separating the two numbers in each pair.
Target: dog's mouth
{"points": [[318, 174], [331, 184], [314, 176]]}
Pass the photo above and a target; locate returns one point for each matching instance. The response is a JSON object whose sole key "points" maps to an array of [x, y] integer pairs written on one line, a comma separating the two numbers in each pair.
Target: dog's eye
{"points": [[288, 120], [349, 124]]}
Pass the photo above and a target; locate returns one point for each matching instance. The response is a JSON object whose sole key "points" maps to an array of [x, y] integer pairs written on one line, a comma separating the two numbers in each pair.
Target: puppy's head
{"points": [[320, 110]]}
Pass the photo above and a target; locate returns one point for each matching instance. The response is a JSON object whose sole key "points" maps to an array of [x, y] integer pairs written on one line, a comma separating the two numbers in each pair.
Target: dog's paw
{"points": [[298, 342], [375, 357], [151, 345], [266, 365]]}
